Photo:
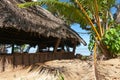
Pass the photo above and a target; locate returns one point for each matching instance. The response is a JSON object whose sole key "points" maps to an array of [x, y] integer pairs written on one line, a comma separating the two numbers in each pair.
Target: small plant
{"points": [[111, 39], [61, 77], [84, 58]]}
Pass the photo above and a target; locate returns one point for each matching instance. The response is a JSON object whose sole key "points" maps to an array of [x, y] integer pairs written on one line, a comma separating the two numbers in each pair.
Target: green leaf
{"points": [[112, 39]]}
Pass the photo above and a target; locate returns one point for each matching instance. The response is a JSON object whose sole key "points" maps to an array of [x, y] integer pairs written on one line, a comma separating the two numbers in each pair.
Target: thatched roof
{"points": [[32, 24]]}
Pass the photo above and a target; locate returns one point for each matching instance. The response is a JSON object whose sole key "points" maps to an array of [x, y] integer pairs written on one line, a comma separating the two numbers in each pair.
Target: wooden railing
{"points": [[9, 62]]}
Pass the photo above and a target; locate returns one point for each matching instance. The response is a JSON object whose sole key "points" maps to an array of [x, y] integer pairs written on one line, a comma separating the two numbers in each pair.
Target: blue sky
{"points": [[117, 1], [81, 49]]}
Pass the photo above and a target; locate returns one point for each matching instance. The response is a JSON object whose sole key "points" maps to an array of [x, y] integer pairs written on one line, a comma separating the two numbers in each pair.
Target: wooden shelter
{"points": [[34, 26]]}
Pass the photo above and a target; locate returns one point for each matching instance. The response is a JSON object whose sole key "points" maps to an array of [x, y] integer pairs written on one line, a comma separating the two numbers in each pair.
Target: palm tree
{"points": [[93, 13]]}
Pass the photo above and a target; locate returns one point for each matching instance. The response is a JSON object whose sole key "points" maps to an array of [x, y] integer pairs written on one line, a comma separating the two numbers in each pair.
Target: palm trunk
{"points": [[98, 18], [95, 61], [88, 18]]}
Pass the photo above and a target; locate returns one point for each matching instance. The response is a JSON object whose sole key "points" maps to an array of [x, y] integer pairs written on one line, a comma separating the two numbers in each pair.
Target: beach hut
{"points": [[34, 26]]}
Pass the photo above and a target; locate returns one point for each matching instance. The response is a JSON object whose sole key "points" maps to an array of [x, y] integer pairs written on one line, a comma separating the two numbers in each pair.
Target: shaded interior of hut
{"points": [[19, 41]]}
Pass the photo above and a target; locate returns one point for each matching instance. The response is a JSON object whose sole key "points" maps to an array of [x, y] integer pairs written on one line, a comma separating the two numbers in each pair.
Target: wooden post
{"points": [[14, 61], [57, 44], [12, 48], [68, 50], [22, 59], [74, 48], [62, 46], [38, 50], [3, 63], [29, 59], [48, 49]]}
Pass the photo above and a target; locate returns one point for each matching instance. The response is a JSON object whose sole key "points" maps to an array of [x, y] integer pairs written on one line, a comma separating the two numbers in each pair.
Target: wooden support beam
{"points": [[62, 48], [14, 61], [12, 48], [68, 49], [74, 47], [48, 49], [3, 63], [56, 45], [22, 59]]}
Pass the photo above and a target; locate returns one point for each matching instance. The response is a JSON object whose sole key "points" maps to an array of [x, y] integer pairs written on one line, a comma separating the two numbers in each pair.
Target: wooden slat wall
{"points": [[1, 63], [18, 60]]}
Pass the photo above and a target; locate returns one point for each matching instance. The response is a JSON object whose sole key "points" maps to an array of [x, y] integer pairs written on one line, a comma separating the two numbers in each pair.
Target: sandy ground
{"points": [[74, 69], [109, 69]]}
